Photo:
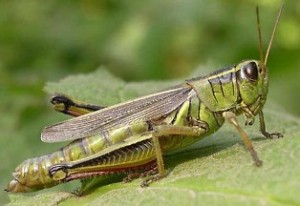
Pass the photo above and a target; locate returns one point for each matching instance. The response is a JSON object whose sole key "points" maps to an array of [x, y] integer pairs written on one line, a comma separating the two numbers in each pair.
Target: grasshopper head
{"points": [[252, 75], [252, 79]]}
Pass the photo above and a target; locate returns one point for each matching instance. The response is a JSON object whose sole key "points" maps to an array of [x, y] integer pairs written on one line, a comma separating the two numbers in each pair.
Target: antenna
{"points": [[273, 34], [261, 54]]}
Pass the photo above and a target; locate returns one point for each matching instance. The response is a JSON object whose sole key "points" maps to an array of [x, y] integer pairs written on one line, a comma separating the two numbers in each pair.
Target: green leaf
{"points": [[215, 171]]}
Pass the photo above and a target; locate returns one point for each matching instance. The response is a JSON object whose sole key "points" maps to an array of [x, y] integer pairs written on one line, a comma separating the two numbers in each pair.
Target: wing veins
{"points": [[141, 109]]}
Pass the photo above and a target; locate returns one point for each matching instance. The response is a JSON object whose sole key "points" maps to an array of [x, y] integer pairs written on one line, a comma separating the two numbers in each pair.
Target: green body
{"points": [[118, 138], [133, 136]]}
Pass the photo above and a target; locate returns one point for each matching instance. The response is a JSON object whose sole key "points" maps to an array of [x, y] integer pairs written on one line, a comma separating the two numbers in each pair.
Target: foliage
{"points": [[150, 39], [216, 171]]}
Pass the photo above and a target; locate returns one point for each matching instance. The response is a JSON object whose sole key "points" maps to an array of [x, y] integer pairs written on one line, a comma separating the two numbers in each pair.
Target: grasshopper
{"points": [[133, 136]]}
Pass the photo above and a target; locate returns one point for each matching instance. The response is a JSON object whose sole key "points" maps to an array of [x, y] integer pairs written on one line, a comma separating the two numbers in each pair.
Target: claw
{"points": [[249, 121], [273, 135], [151, 179]]}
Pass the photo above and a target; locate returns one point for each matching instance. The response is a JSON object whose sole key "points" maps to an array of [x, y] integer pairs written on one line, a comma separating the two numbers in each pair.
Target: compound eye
{"points": [[249, 71]]}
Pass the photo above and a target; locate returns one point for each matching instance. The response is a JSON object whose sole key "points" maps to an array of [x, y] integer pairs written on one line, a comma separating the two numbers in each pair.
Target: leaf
{"points": [[215, 171]]}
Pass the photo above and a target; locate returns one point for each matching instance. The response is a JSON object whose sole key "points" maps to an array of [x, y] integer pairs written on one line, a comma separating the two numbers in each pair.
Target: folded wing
{"points": [[146, 108]]}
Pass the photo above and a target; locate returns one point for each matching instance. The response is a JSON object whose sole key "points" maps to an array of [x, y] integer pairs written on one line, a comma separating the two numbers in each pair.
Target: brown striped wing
{"points": [[142, 109]]}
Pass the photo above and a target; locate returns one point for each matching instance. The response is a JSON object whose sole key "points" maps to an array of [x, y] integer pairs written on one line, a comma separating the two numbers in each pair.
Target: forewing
{"points": [[146, 108]]}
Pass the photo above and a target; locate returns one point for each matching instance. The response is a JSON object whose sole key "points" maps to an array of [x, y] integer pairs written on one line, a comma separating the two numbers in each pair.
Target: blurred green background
{"points": [[136, 40]]}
